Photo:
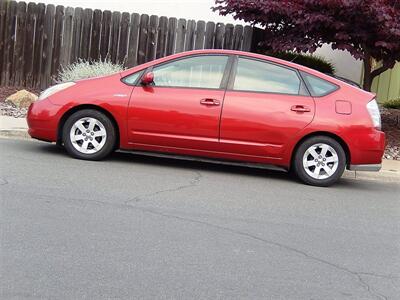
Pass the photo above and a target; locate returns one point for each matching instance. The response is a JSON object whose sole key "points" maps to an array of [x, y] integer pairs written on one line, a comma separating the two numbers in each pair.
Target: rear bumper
{"points": [[369, 168], [366, 149]]}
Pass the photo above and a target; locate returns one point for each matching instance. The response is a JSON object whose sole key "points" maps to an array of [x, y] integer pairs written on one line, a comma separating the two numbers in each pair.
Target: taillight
{"points": [[374, 113]]}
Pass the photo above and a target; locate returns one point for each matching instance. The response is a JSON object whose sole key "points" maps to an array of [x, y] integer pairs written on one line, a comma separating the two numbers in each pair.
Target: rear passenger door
{"points": [[265, 105]]}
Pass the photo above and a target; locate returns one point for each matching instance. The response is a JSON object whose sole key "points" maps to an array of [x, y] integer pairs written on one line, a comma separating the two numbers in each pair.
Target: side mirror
{"points": [[147, 79]]}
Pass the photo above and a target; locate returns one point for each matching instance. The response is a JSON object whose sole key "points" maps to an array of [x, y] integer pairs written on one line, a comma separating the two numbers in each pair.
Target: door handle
{"points": [[300, 108], [209, 101]]}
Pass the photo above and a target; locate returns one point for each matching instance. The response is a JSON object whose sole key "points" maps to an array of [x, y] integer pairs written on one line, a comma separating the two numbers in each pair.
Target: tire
{"points": [[319, 161], [94, 141]]}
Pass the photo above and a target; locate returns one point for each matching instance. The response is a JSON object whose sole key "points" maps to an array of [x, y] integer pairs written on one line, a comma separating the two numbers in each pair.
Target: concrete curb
{"points": [[17, 128]]}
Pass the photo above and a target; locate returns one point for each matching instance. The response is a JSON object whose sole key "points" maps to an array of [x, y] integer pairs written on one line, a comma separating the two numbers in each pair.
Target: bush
{"points": [[84, 69], [395, 103], [312, 61]]}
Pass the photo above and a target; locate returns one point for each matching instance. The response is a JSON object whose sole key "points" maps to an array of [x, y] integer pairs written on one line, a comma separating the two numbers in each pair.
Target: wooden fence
{"points": [[35, 39], [387, 85]]}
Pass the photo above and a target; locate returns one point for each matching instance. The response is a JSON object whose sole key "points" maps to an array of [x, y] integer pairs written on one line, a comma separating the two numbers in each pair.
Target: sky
{"points": [[187, 9]]}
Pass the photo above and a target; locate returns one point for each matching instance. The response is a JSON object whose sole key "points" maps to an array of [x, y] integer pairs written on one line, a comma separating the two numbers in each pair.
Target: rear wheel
{"points": [[89, 134], [319, 161]]}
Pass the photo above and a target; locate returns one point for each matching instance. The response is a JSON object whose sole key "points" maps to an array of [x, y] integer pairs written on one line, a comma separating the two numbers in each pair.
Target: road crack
{"points": [[3, 181], [192, 183]]}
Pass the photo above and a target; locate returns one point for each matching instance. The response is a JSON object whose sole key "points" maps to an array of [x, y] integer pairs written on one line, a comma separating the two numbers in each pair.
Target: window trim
{"points": [[303, 89], [123, 79], [223, 82], [309, 88]]}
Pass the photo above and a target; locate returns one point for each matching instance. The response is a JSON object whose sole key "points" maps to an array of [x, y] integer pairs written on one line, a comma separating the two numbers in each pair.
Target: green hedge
{"points": [[395, 103], [312, 61]]}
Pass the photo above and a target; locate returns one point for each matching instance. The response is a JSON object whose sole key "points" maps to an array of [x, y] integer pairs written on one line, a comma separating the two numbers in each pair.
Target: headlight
{"points": [[375, 114], [54, 89]]}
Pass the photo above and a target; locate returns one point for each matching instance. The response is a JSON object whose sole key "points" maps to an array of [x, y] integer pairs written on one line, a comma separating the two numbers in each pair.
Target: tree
{"points": [[368, 29]]}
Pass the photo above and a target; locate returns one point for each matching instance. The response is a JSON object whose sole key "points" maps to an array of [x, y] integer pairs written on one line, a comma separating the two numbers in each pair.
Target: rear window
{"points": [[259, 76], [318, 86]]}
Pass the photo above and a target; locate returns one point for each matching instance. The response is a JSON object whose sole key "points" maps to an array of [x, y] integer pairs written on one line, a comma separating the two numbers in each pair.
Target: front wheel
{"points": [[319, 161], [89, 134]]}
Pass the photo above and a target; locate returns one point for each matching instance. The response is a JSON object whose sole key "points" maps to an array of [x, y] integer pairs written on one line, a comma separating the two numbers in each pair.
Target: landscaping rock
{"points": [[22, 99]]}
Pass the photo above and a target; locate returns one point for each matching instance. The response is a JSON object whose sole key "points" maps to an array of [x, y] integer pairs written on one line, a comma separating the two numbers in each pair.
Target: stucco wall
{"points": [[345, 64]]}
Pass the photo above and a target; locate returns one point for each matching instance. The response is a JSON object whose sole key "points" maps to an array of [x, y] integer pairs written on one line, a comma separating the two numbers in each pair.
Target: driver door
{"points": [[182, 107]]}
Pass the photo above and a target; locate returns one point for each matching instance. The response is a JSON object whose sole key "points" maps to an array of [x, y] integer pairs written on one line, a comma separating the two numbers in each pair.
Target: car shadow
{"points": [[127, 157]]}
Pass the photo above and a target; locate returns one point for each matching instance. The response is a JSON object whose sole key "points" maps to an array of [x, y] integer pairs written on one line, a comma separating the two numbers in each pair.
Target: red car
{"points": [[230, 106]]}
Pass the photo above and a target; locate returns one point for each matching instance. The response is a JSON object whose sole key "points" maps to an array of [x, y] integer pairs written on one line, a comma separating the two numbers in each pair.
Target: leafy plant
{"points": [[395, 103], [312, 61], [368, 29], [83, 69]]}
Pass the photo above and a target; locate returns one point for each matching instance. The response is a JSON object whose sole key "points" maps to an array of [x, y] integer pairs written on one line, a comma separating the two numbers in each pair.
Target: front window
{"points": [[193, 72]]}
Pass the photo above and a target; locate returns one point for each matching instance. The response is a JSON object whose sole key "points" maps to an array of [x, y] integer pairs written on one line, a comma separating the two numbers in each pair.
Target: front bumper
{"points": [[42, 118], [369, 168]]}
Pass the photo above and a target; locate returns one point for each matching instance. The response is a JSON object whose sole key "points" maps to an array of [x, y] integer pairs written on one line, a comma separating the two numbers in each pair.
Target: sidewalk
{"points": [[11, 127]]}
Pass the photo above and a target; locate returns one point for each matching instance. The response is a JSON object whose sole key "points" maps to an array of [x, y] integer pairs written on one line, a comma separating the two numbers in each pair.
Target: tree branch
{"points": [[381, 69]]}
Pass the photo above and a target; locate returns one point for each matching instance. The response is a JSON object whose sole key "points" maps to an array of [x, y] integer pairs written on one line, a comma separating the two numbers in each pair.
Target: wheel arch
{"points": [[322, 133], [74, 109]]}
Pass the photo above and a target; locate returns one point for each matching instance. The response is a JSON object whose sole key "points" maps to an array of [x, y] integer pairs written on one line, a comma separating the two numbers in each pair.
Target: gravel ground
{"points": [[390, 120]]}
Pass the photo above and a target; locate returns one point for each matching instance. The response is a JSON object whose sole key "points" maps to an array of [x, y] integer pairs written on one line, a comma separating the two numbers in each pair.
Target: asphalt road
{"points": [[136, 227]]}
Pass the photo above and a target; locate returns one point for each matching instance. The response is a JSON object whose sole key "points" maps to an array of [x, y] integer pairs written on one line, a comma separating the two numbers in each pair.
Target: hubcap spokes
{"points": [[320, 161], [88, 135]]}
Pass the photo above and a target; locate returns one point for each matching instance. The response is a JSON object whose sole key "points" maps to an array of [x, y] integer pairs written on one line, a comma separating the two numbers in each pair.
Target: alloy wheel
{"points": [[320, 161], [88, 135]]}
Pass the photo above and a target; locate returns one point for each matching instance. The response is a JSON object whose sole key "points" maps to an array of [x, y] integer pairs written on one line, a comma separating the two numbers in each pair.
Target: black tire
{"points": [[300, 170], [110, 140]]}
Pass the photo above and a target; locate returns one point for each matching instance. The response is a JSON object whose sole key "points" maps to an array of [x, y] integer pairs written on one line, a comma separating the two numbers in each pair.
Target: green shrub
{"points": [[312, 61], [395, 103], [83, 69]]}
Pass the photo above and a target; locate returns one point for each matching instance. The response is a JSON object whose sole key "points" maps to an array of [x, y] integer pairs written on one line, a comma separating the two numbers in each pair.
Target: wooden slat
{"points": [[86, 28], [105, 34], [210, 35], [172, 22], [38, 48], [94, 53], [190, 35], [76, 37], [65, 54], [114, 38], [47, 46], [144, 22], [3, 26], [219, 36], [58, 36], [162, 37], [152, 39], [247, 38], [18, 65], [228, 37], [29, 45], [180, 36], [237, 37], [9, 43], [200, 32], [133, 41], [123, 41]]}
